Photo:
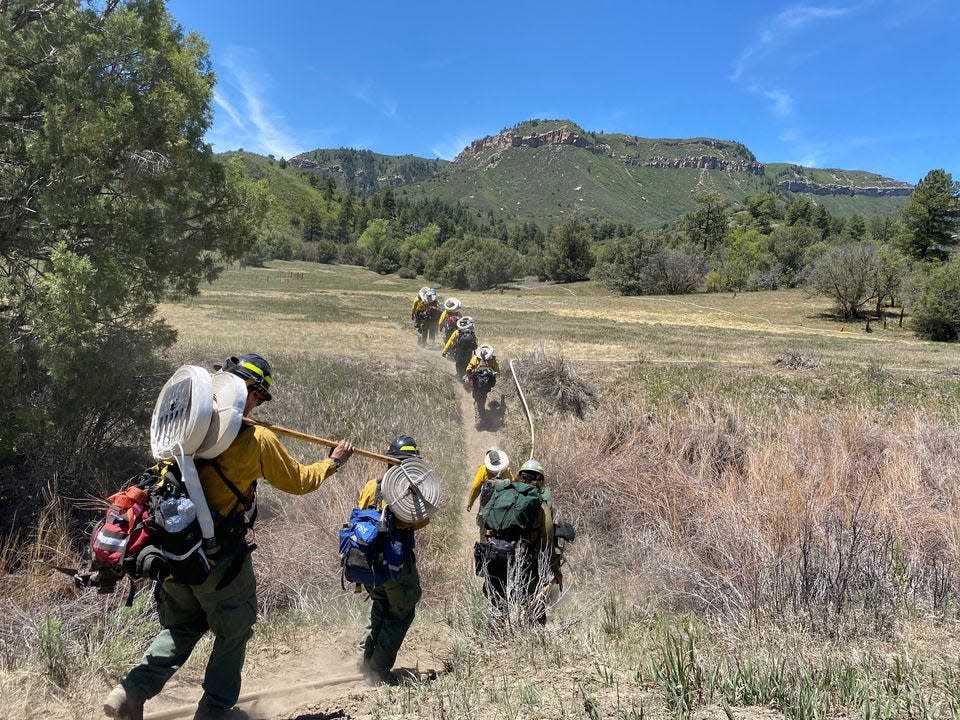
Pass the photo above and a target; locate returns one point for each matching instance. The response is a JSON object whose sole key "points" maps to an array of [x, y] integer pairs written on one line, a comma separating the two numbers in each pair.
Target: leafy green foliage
{"points": [[473, 263], [110, 201], [932, 217], [567, 252], [937, 313], [623, 266]]}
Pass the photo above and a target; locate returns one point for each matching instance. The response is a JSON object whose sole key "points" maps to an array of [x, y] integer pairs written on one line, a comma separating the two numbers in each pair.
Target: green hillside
{"points": [[542, 168], [292, 199], [364, 171]]}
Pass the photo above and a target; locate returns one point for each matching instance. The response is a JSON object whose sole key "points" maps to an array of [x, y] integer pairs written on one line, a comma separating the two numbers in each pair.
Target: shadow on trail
{"points": [[494, 417]]}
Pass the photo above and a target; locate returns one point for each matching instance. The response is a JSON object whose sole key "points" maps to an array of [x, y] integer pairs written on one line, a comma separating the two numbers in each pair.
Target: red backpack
{"points": [[124, 531]]}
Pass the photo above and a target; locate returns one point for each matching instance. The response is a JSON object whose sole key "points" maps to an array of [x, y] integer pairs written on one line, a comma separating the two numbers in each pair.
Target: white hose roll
{"points": [[411, 490], [191, 481], [229, 399], [182, 414]]}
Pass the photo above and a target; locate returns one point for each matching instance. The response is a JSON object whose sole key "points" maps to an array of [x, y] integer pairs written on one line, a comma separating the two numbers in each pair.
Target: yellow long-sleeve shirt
{"points": [[476, 362], [368, 498], [448, 313], [418, 305], [451, 341], [257, 453], [479, 479]]}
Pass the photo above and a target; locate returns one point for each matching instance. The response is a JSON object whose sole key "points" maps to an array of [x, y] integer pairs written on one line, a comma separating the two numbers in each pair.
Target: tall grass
{"points": [[816, 516]]}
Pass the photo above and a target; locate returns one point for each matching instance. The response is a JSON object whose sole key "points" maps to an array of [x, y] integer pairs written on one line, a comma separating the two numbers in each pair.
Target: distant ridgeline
{"points": [[541, 169]]}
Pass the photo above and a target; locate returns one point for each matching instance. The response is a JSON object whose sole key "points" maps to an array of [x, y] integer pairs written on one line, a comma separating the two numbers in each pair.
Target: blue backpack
{"points": [[370, 554]]}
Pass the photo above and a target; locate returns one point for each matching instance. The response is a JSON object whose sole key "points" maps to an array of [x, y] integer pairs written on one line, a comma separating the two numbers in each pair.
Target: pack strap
{"points": [[241, 498]]}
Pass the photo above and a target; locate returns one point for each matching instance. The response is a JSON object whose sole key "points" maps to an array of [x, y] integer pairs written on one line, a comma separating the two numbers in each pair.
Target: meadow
{"points": [[766, 499]]}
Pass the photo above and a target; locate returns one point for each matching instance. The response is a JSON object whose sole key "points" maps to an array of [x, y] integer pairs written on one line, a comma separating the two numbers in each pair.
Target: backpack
{"points": [[466, 341], [150, 530], [484, 378], [512, 510], [369, 553]]}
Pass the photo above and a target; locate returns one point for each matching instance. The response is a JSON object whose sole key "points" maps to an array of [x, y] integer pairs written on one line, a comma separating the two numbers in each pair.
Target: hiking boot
{"points": [[124, 704], [381, 677]]}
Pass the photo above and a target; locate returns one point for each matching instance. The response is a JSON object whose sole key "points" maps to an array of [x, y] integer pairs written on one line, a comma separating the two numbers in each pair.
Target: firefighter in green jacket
{"points": [[393, 604], [226, 602], [512, 567]]}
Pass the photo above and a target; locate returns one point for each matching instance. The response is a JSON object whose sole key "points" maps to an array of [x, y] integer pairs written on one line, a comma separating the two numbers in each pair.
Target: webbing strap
{"points": [[241, 498]]}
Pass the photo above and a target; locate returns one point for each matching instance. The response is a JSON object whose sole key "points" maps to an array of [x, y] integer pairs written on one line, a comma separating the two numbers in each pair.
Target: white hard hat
{"points": [[465, 322], [485, 352], [451, 304], [496, 461], [422, 294]]}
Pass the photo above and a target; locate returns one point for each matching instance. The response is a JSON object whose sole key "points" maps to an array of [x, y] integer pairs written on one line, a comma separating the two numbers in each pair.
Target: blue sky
{"points": [[868, 85]]}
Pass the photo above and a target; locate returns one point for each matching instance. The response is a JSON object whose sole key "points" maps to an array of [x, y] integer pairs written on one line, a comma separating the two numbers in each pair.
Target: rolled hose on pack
{"points": [[411, 490]]}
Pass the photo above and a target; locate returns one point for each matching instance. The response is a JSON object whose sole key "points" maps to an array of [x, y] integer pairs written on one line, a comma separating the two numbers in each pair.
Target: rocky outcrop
{"points": [[304, 163], [509, 138], [707, 162], [806, 186], [569, 136]]}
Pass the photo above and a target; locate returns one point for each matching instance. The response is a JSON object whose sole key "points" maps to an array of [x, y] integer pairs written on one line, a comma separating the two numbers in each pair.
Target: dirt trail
{"points": [[476, 442]]}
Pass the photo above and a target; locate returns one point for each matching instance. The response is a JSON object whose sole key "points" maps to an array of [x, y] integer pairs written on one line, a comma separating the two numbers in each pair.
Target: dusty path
{"points": [[476, 442]]}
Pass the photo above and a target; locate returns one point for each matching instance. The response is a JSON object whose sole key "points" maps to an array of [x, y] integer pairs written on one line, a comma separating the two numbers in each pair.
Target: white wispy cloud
{"points": [[751, 68], [781, 99], [779, 30], [249, 122], [449, 147], [379, 101]]}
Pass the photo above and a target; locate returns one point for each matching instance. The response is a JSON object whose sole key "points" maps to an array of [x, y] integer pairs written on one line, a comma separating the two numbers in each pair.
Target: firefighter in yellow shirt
{"points": [[496, 466], [393, 604], [452, 311], [482, 372], [424, 313], [226, 602]]}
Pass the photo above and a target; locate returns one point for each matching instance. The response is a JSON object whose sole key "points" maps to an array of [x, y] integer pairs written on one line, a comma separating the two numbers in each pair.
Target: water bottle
{"points": [[187, 510], [177, 514]]}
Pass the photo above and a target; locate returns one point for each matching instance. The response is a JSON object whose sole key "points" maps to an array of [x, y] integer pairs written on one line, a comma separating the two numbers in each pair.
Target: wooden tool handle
{"points": [[280, 430]]}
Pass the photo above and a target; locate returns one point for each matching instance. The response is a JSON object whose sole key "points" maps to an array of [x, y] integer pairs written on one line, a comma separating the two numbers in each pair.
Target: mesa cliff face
{"points": [[634, 152], [510, 138], [800, 186]]}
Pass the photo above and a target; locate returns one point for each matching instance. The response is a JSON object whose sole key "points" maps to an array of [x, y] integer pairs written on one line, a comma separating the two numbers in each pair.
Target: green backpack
{"points": [[512, 511]]}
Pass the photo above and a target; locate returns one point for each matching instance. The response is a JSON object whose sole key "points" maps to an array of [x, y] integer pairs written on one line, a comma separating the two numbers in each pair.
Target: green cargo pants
{"points": [[186, 613], [392, 609]]}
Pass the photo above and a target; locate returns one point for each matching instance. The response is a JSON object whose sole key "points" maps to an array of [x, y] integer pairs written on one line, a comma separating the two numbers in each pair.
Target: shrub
{"points": [[846, 273], [937, 313], [474, 263], [556, 380], [352, 255], [674, 272], [623, 266], [326, 251], [567, 253]]}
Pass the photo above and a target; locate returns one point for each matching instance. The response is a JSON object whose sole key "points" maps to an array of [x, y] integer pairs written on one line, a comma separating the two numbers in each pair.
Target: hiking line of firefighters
{"points": [[476, 364], [519, 555]]}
